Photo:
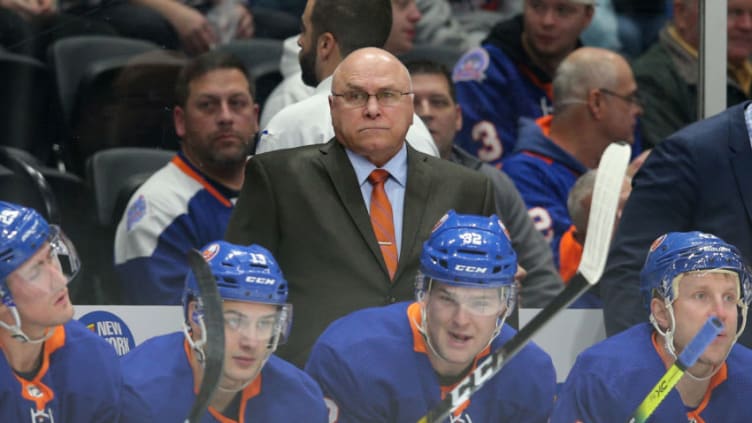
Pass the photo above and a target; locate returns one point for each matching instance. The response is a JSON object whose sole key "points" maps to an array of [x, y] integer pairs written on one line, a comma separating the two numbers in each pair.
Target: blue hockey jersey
{"points": [[373, 367], [79, 381], [280, 393], [177, 209], [610, 379], [543, 174], [496, 85]]}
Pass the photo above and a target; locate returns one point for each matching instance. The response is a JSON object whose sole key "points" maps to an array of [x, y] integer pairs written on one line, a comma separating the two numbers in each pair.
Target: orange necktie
{"points": [[381, 220]]}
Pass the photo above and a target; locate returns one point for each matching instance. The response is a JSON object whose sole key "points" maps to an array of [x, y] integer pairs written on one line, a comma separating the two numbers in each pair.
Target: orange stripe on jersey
{"points": [[544, 123], [414, 315], [719, 377], [177, 161], [35, 390]]}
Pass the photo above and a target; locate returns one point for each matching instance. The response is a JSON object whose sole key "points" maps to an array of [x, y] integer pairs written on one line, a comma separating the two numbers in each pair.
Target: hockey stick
{"points": [[608, 182], [214, 348], [687, 359]]}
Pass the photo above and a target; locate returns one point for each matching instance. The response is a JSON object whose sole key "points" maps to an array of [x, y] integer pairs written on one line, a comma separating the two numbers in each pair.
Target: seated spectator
{"points": [[687, 278], [255, 384], [510, 75], [394, 363], [573, 241], [460, 24], [188, 203], [30, 27], [194, 27], [331, 30], [668, 72], [595, 98], [435, 103], [297, 87]]}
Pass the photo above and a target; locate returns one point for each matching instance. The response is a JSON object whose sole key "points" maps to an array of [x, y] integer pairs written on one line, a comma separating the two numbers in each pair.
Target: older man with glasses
{"points": [[595, 104], [347, 218]]}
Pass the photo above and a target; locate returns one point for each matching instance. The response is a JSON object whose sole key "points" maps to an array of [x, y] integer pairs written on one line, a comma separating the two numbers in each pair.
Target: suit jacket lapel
{"points": [[741, 156], [417, 192], [344, 181]]}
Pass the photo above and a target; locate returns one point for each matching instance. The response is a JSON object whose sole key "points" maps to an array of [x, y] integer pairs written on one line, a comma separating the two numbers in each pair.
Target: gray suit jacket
{"points": [[305, 206]]}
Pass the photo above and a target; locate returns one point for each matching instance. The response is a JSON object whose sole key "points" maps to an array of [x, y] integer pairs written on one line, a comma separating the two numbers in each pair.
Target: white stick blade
{"points": [[608, 182]]}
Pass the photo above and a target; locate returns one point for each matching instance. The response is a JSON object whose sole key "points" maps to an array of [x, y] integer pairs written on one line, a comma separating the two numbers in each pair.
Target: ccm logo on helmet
{"points": [[471, 269], [259, 280]]}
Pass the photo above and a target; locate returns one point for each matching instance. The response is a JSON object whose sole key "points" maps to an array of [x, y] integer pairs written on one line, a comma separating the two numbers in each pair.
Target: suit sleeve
{"points": [[254, 219], [663, 198], [542, 282]]}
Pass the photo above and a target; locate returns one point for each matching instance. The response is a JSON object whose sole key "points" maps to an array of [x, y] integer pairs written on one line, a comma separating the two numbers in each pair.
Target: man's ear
{"points": [[326, 45], [595, 103], [178, 119], [660, 312]]}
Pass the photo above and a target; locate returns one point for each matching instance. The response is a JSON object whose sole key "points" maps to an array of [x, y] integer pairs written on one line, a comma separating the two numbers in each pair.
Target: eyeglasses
{"points": [[630, 98], [359, 98]]}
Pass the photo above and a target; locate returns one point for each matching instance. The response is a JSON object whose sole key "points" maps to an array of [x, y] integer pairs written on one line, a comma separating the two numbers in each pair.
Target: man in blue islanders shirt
{"points": [[394, 363], [256, 386], [188, 202], [687, 277], [52, 368]]}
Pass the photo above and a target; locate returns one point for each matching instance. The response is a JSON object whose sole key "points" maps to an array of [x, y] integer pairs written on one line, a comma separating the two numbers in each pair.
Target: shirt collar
{"points": [[396, 166]]}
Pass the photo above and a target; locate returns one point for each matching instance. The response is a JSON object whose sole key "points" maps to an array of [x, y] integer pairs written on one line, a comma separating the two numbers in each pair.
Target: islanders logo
{"points": [[135, 212], [210, 252], [111, 328], [657, 243], [472, 66]]}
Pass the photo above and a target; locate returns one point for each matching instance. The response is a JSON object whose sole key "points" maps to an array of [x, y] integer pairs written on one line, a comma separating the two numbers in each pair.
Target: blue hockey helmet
{"points": [[675, 253], [470, 251], [23, 232], [242, 273]]}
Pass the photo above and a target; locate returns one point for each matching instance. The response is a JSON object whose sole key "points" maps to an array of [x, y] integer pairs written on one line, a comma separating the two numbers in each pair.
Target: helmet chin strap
{"points": [[16, 332], [196, 346]]}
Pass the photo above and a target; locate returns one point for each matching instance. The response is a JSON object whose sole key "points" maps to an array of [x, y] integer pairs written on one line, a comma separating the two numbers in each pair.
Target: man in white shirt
{"points": [[330, 30]]}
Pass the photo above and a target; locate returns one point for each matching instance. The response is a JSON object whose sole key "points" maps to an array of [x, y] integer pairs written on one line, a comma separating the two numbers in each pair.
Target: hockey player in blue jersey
{"points": [[394, 363], [509, 76], [255, 384], [52, 369], [687, 277]]}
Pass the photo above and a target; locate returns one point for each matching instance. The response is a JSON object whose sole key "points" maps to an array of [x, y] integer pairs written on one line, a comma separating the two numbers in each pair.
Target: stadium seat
{"points": [[261, 57], [24, 105], [447, 56], [113, 92], [113, 175]]}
